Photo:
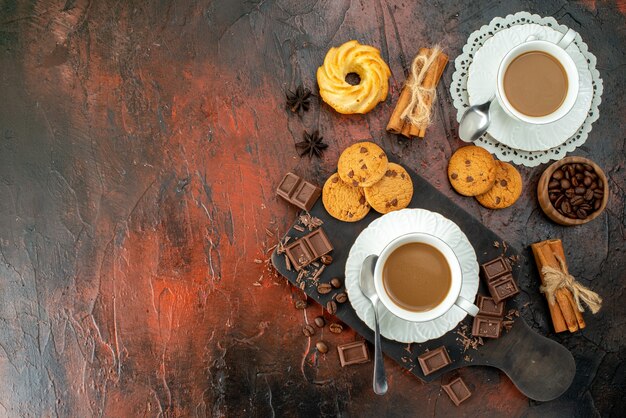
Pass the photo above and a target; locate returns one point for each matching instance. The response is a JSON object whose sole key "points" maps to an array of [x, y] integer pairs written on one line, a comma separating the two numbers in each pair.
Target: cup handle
{"points": [[567, 39], [467, 306]]}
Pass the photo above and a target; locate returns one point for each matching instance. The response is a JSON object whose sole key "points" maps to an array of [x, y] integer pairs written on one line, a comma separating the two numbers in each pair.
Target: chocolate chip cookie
{"points": [[505, 191], [394, 191], [472, 171], [344, 201], [362, 164]]}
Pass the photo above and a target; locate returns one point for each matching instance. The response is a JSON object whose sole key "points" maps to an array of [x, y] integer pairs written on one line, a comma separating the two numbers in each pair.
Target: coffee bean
{"points": [[331, 307], [341, 297], [565, 184], [324, 288], [553, 184], [326, 259], [587, 181], [569, 193], [301, 304], [335, 282], [579, 176], [579, 168], [577, 200], [597, 204], [598, 194], [600, 184], [335, 328], [579, 190], [565, 207], [319, 321], [558, 175], [588, 195], [308, 330], [571, 170], [585, 206], [587, 167], [322, 347], [558, 201], [553, 196], [581, 213], [574, 181], [593, 186]]}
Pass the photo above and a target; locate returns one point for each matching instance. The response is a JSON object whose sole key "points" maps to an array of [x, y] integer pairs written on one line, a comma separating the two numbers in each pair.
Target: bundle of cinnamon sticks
{"points": [[563, 310], [398, 124]]}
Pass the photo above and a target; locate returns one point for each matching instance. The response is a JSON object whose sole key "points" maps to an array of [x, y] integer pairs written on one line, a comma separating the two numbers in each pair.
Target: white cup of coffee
{"points": [[418, 278], [537, 81]]}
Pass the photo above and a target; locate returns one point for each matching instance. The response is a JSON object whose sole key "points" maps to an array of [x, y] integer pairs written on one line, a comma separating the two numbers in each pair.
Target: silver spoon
{"points": [[475, 121], [368, 289]]}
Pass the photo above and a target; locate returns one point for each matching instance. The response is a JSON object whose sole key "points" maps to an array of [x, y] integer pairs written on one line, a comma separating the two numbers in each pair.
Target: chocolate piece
{"points": [[503, 288], [486, 326], [488, 307], [308, 248], [433, 360], [299, 254], [495, 268], [298, 192], [353, 353], [457, 391]]}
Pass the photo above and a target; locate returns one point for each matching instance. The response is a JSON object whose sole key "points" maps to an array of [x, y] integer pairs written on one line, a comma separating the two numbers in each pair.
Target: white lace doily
{"points": [[458, 90]]}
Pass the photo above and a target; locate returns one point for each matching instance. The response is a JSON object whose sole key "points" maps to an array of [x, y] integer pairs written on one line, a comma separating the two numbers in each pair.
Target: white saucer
{"points": [[516, 134], [372, 241]]}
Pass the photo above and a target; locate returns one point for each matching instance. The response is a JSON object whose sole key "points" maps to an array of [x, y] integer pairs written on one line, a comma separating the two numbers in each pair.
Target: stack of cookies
{"points": [[473, 171], [366, 179]]}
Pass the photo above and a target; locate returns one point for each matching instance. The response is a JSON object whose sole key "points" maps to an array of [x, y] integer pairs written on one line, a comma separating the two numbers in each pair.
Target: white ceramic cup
{"points": [[557, 50], [452, 298]]}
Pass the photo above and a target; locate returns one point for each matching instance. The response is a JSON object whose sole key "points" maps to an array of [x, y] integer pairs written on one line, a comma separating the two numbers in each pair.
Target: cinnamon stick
{"points": [[396, 124], [564, 312], [557, 249], [558, 321], [430, 81]]}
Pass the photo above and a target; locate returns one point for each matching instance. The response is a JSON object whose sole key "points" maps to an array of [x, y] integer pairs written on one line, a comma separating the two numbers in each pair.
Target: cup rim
{"points": [[570, 69], [455, 272]]}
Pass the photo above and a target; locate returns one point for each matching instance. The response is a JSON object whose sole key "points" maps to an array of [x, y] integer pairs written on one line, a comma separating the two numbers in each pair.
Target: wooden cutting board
{"points": [[541, 368]]}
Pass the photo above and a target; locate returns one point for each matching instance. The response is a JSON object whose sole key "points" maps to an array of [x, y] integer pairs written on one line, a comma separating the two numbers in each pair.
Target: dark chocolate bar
{"points": [[495, 269], [488, 307], [353, 353], [298, 192], [457, 390], [433, 360], [486, 326], [503, 288], [308, 248]]}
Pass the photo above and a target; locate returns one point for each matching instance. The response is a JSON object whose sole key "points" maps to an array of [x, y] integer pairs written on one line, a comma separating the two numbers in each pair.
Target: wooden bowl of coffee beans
{"points": [[573, 191]]}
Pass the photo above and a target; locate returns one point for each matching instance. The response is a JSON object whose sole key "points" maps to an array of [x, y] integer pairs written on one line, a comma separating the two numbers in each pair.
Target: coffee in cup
{"points": [[417, 277], [537, 81]]}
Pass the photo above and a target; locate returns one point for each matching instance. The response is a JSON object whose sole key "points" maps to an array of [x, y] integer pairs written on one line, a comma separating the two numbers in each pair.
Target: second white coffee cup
{"points": [[452, 297]]}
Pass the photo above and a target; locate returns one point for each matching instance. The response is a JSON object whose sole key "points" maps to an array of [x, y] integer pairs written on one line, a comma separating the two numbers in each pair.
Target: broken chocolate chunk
{"points": [[457, 391], [486, 326], [434, 360], [353, 353]]}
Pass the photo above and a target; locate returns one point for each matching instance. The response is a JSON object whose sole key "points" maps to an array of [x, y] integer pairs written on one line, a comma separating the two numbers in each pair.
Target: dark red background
{"points": [[140, 145]]}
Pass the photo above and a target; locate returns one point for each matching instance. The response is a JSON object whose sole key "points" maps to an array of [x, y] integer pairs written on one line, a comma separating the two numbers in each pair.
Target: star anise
{"points": [[299, 101], [312, 145]]}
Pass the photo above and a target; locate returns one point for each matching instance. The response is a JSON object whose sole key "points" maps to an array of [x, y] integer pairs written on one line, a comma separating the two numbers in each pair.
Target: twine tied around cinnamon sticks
{"points": [[418, 111], [412, 113], [555, 279]]}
